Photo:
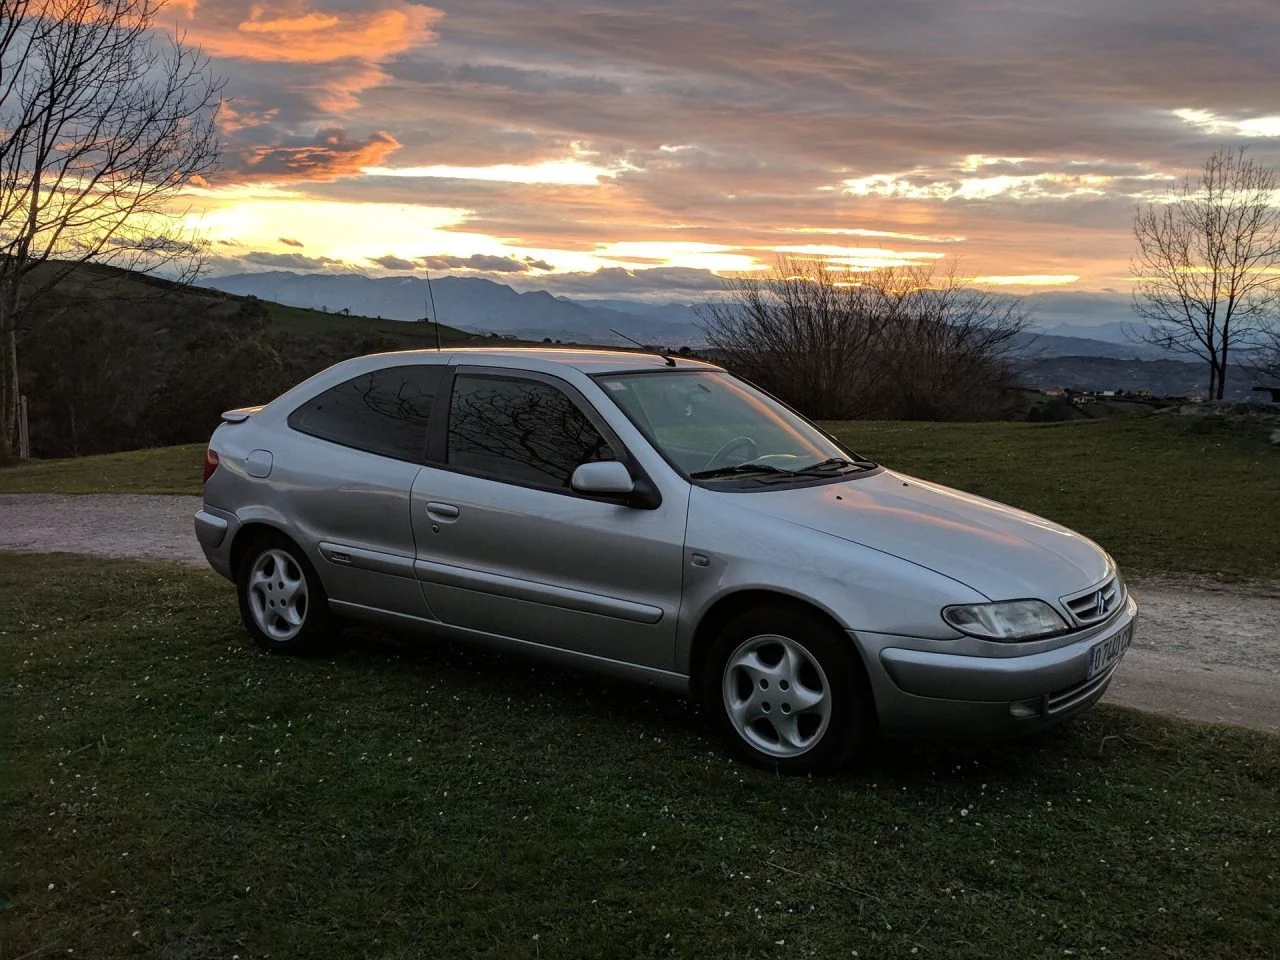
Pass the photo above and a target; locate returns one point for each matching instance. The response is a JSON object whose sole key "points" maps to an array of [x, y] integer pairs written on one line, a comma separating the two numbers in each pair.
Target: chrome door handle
{"points": [[442, 511]]}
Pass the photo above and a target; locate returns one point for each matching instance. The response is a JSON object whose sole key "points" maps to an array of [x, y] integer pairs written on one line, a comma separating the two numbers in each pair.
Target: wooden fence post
{"points": [[24, 430]]}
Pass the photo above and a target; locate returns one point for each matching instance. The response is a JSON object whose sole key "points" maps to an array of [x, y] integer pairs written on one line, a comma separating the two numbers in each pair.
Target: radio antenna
{"points": [[645, 347], [434, 315]]}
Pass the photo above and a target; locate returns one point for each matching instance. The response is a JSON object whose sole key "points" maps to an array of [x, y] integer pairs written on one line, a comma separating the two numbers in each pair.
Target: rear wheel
{"points": [[282, 602], [788, 690]]}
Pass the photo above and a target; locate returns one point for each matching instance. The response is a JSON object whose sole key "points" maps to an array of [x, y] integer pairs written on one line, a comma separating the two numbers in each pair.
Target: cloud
{"points": [[326, 156], [297, 61], [289, 261], [1017, 131], [479, 261], [393, 263], [290, 242], [616, 280], [1215, 125], [566, 172], [290, 31]]}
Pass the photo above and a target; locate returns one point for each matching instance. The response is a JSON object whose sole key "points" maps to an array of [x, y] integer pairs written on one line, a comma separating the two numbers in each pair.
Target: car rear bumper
{"points": [[215, 529], [921, 689]]}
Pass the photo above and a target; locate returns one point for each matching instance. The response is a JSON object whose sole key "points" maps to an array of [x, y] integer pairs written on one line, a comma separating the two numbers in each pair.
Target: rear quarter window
{"points": [[386, 412]]}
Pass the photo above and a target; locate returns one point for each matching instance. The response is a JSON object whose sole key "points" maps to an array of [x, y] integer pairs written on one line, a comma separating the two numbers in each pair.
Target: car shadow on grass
{"points": [[676, 719]]}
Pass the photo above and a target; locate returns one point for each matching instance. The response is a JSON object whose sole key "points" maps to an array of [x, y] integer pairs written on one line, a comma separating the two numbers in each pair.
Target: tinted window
{"points": [[523, 431], [384, 412]]}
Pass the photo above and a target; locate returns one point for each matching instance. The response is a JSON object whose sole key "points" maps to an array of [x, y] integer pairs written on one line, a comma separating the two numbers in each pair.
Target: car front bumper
{"points": [[920, 688]]}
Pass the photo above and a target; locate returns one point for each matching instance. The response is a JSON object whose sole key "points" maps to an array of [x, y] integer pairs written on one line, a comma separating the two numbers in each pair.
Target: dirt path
{"points": [[1202, 652]]}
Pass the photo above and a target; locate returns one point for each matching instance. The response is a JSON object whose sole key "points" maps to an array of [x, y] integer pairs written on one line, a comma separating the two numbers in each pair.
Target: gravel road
{"points": [[1202, 651]]}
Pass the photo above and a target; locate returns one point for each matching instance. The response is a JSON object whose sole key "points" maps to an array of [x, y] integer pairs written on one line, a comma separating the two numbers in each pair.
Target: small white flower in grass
{"points": [[51, 886], [963, 812]]}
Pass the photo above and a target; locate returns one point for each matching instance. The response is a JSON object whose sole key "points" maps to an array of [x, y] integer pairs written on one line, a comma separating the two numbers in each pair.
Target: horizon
{"points": [[1050, 310], [598, 149]]}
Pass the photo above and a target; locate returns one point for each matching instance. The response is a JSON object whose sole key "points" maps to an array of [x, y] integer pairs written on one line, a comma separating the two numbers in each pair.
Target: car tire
{"points": [[788, 690], [282, 602]]}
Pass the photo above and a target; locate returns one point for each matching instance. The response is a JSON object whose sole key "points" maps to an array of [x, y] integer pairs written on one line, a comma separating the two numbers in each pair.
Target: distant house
{"points": [[1108, 393], [1143, 392], [1054, 392], [1195, 398]]}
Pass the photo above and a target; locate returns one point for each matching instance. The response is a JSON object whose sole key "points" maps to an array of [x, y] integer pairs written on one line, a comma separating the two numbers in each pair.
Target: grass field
{"points": [[170, 791], [161, 470], [1163, 494], [305, 321]]}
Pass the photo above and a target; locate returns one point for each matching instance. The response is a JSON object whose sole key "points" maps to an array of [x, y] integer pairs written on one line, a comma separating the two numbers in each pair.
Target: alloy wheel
{"points": [[776, 695], [278, 594]]}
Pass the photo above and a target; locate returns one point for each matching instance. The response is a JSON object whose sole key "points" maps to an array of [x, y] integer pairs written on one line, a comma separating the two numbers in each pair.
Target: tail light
{"points": [[210, 464]]}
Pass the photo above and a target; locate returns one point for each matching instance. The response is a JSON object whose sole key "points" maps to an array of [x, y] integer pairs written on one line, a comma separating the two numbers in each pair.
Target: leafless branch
{"points": [[904, 341], [1207, 270], [103, 121]]}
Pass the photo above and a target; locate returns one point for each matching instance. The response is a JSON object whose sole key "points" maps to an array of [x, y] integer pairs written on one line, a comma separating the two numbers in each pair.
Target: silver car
{"points": [[661, 520]]}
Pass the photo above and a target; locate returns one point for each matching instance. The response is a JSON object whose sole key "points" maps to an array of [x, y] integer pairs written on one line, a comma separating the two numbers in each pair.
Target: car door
{"points": [[345, 476], [505, 546]]}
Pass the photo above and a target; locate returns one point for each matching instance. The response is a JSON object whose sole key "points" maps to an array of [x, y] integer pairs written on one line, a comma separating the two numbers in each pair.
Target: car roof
{"points": [[588, 361]]}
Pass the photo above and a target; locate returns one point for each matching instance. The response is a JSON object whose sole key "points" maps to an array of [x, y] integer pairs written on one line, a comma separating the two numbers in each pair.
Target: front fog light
{"points": [[1025, 709]]}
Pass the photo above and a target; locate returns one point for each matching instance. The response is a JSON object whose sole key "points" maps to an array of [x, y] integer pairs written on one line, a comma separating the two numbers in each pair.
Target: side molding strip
{"points": [[654, 676], [448, 575], [362, 559]]}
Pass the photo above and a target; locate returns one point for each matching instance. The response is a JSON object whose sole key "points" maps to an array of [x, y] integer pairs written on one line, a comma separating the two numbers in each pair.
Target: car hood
{"points": [[1001, 552]]}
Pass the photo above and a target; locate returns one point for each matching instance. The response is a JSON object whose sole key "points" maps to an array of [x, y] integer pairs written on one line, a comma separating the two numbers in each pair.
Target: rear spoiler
{"points": [[240, 414]]}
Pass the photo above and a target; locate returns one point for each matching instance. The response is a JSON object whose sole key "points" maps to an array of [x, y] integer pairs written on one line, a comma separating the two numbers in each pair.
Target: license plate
{"points": [[1104, 654]]}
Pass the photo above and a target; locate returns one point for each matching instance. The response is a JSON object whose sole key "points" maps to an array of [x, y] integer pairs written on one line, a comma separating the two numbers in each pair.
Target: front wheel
{"points": [[282, 601], [788, 690]]}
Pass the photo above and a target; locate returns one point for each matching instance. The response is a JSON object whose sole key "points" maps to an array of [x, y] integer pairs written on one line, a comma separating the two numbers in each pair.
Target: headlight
{"points": [[1009, 620]]}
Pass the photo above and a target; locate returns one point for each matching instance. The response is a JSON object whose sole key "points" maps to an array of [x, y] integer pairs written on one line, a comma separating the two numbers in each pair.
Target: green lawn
{"points": [[311, 322], [161, 470], [1163, 494], [170, 791]]}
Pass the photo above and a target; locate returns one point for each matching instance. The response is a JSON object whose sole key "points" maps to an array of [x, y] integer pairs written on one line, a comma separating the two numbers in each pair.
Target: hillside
{"points": [[471, 303], [114, 360], [480, 305]]}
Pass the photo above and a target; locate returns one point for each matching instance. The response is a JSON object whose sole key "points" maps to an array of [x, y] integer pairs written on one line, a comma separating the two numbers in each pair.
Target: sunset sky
{"points": [[623, 147]]}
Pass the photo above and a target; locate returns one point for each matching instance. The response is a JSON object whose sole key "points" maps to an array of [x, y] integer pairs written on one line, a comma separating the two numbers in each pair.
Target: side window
{"points": [[384, 412], [521, 431]]}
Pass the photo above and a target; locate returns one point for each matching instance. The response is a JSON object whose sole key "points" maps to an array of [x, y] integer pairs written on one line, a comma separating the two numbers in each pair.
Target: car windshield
{"points": [[716, 427]]}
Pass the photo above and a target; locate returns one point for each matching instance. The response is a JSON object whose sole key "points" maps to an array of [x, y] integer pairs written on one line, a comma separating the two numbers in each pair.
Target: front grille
{"points": [[1071, 697], [1096, 605]]}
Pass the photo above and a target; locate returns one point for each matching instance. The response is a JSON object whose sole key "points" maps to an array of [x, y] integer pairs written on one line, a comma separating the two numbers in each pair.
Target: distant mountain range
{"points": [[1066, 322], [475, 304]]}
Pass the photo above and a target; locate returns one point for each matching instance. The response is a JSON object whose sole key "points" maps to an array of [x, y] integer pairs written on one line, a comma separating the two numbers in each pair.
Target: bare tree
{"points": [[1206, 268], [102, 122], [901, 341], [949, 348]]}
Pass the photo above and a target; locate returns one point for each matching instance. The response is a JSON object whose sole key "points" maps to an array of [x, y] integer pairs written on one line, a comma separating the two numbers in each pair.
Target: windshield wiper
{"points": [[827, 468], [833, 465], [737, 469]]}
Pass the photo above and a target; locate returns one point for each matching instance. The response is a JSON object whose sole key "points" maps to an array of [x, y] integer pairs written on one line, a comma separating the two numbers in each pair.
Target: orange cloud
{"points": [[287, 31], [234, 116], [326, 158]]}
